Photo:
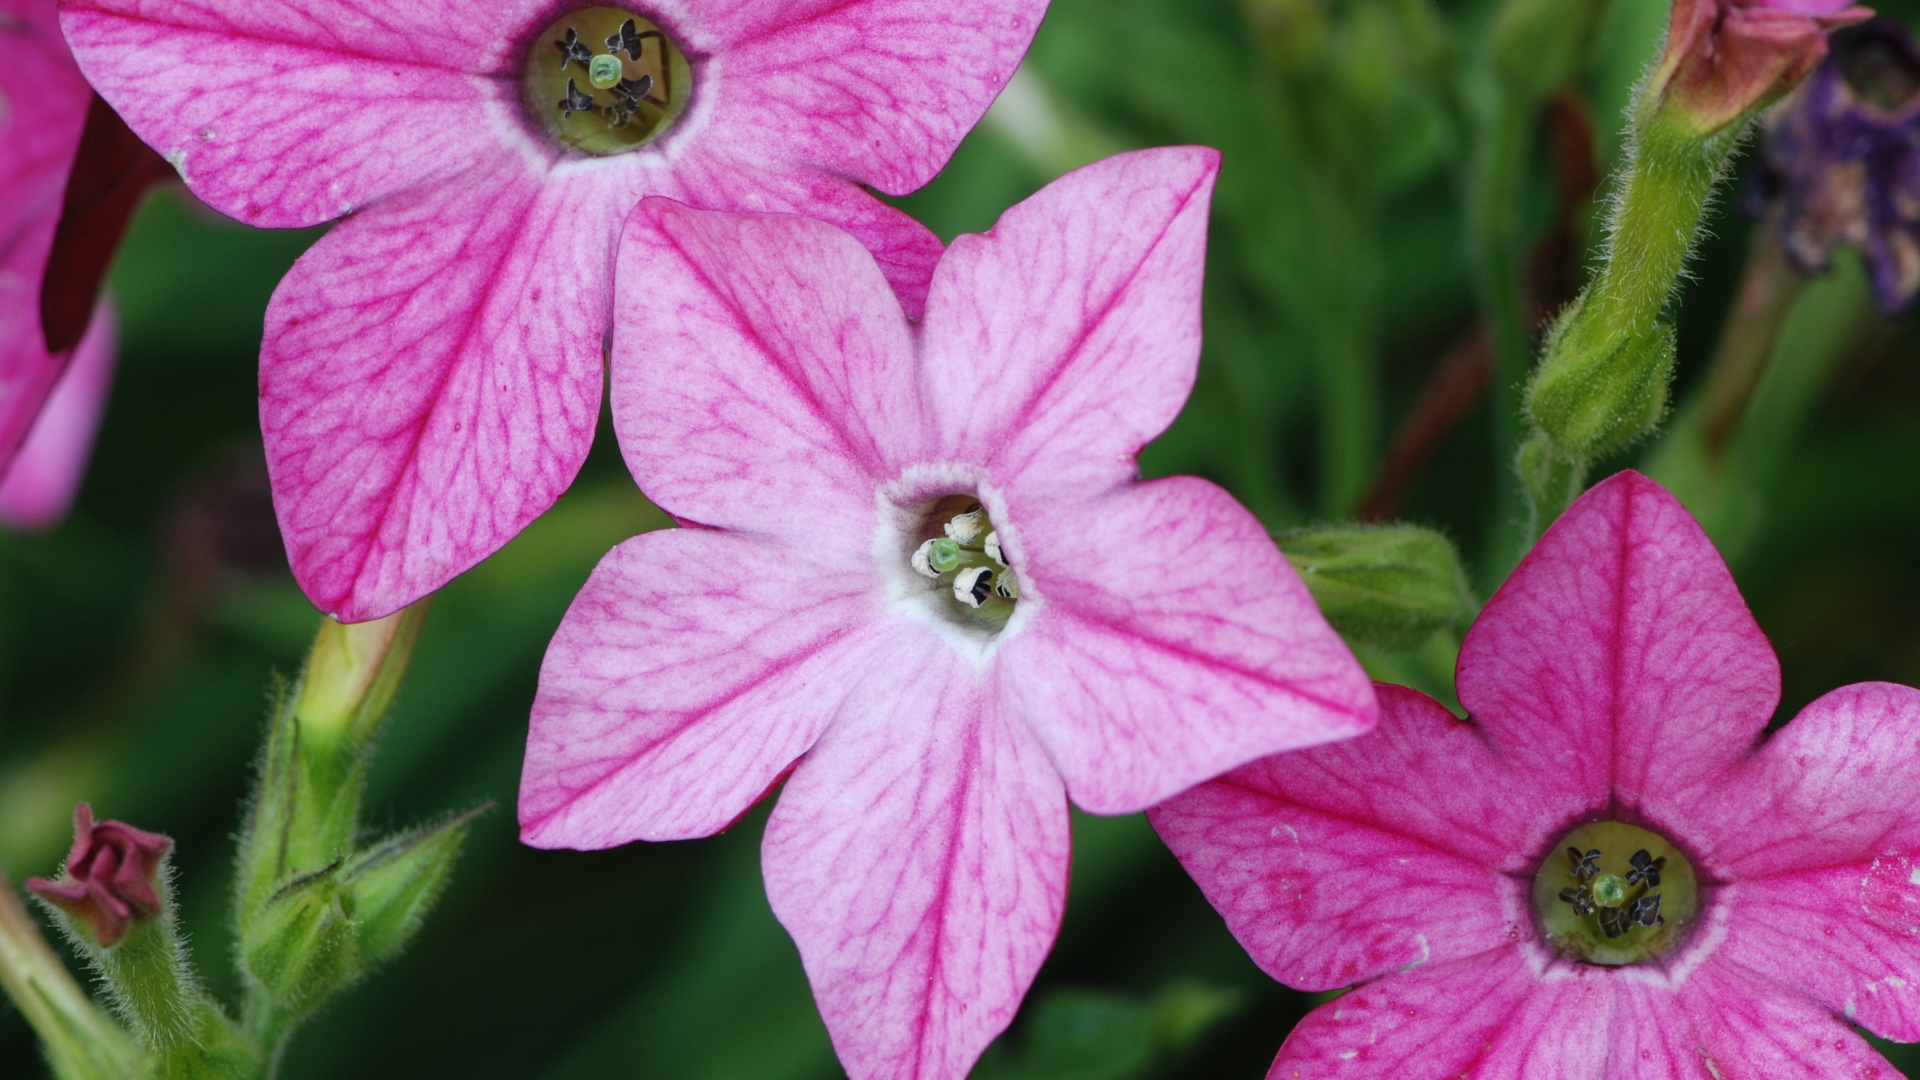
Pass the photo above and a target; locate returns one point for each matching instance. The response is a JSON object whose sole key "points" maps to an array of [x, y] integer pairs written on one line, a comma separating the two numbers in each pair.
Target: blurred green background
{"points": [[137, 640]]}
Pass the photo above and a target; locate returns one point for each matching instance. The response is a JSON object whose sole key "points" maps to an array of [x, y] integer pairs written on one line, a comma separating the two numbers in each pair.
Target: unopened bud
{"points": [[352, 673], [395, 882], [1538, 45], [1600, 387], [302, 944], [1728, 59], [112, 879], [1388, 587]]}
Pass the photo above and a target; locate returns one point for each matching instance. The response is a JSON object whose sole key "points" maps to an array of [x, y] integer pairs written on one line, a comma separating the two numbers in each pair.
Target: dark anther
{"points": [[619, 112], [1646, 869], [982, 587], [636, 91], [1646, 910], [629, 40], [575, 101], [1585, 867], [1615, 921], [1580, 898], [574, 49]]}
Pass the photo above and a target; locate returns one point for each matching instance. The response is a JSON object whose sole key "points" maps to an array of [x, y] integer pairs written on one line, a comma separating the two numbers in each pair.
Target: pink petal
{"points": [[45, 475], [1172, 642], [1821, 834], [689, 673], [294, 112], [761, 374], [880, 91], [919, 858], [1488, 1017], [1619, 659], [1060, 342], [905, 249], [1724, 1021], [1407, 846], [40, 126], [431, 380]]}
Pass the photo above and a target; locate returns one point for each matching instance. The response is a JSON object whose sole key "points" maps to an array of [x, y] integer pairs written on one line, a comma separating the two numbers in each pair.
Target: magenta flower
{"points": [[431, 372], [1725, 58], [45, 474], [43, 107], [1612, 869], [112, 879], [921, 574]]}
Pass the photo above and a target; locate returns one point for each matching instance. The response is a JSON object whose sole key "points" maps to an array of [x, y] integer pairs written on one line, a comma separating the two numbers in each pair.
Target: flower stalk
{"points": [[79, 1041]]}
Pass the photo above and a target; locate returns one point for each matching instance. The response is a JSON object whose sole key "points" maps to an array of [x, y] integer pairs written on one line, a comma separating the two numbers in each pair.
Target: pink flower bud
{"points": [[111, 878], [1726, 58]]}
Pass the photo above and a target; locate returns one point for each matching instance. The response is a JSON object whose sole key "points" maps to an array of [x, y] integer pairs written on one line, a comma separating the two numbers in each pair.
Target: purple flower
{"points": [[43, 107], [1843, 156], [112, 876], [1611, 869], [431, 372], [921, 574]]}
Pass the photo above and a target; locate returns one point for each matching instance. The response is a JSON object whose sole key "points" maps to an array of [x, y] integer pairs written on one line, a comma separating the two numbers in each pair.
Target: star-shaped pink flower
{"points": [[43, 107], [431, 372], [920, 573], [1617, 677]]}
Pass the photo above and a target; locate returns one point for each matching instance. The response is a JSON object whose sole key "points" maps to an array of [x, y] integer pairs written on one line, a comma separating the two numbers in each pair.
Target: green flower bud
{"points": [[1388, 587], [1599, 387], [352, 673], [1538, 45]]}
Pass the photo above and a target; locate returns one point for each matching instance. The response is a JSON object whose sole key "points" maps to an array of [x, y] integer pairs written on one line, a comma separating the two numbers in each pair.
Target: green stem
{"points": [[1768, 288], [80, 1042], [1494, 220]]}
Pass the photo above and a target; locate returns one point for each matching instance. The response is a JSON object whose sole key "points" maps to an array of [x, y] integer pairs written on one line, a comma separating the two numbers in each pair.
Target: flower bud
{"points": [[1389, 587], [1599, 386], [352, 673], [112, 879], [1727, 59], [302, 944], [1538, 45], [396, 881]]}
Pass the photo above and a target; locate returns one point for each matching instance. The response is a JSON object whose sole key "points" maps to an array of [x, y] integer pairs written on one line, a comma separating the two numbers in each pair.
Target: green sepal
{"points": [[1600, 387], [303, 943], [1388, 587], [395, 882]]}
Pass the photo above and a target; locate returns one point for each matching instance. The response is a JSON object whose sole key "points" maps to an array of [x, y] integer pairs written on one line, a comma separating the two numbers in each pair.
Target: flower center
{"points": [[1612, 893], [605, 81], [963, 555]]}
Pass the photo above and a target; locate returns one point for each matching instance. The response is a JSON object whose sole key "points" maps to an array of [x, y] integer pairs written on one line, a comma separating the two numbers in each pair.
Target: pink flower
{"points": [[43, 107], [431, 372], [112, 877], [920, 573], [1618, 689], [45, 474], [1725, 58]]}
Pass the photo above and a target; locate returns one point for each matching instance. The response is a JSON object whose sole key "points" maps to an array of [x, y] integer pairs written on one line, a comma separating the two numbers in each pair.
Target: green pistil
{"points": [[604, 80], [966, 560], [1611, 893]]}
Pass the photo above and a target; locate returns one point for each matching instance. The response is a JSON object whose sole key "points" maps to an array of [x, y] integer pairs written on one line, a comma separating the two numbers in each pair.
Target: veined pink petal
{"points": [[880, 91], [761, 374], [918, 856], [690, 672], [45, 474], [1488, 1017], [431, 380], [1727, 1022], [1407, 846], [905, 249], [293, 112], [1057, 344], [46, 106], [1820, 834], [1174, 643], [1619, 660]]}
